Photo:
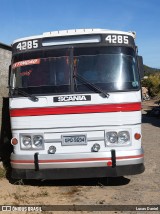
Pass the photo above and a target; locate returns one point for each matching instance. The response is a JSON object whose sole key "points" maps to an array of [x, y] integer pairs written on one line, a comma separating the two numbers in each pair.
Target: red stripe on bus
{"points": [[77, 160], [120, 107]]}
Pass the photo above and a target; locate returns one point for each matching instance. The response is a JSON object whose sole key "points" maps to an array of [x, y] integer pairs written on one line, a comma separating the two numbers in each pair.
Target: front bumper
{"points": [[66, 166], [72, 173]]}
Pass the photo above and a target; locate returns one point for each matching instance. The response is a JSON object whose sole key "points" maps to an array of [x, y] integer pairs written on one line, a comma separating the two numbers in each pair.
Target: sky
{"points": [[22, 18]]}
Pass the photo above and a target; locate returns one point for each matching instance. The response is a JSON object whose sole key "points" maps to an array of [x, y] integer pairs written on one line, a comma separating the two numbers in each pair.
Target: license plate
{"points": [[74, 140]]}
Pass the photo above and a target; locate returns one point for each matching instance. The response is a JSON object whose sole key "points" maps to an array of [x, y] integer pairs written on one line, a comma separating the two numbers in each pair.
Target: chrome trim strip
{"points": [[77, 155], [84, 160], [71, 127], [76, 165]]}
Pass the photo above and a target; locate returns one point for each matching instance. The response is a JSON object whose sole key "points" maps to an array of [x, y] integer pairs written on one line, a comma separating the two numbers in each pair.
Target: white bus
{"points": [[75, 105]]}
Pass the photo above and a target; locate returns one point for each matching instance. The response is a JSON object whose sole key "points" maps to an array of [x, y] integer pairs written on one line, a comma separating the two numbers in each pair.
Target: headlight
{"points": [[37, 141], [26, 141], [32, 142], [112, 137], [123, 137]]}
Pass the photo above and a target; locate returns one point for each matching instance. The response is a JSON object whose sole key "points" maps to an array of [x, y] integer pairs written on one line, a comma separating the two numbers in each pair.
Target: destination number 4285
{"points": [[27, 45], [120, 39]]}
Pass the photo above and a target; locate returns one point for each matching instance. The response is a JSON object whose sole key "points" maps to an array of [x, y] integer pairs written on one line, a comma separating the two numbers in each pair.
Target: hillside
{"points": [[149, 70]]}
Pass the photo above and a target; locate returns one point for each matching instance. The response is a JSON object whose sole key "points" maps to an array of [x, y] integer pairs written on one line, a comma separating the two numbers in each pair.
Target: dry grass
{"points": [[2, 173]]}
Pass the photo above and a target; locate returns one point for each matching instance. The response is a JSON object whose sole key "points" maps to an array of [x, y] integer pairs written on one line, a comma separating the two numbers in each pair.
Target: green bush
{"points": [[153, 84]]}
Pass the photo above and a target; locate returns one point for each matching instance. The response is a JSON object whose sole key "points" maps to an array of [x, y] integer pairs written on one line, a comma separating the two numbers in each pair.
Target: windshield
{"points": [[110, 72], [43, 74], [111, 69]]}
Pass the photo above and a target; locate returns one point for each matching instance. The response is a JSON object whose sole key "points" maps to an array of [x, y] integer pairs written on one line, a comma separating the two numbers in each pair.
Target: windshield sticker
{"points": [[26, 62], [26, 73]]}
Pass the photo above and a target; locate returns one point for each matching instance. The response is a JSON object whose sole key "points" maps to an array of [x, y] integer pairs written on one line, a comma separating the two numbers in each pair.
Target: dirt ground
{"points": [[142, 189]]}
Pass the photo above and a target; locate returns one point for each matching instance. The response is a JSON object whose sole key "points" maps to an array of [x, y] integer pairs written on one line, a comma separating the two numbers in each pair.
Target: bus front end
{"points": [[75, 105]]}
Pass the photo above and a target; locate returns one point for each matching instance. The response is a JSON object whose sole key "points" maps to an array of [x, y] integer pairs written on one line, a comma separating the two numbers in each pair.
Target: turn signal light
{"points": [[137, 136], [14, 141]]}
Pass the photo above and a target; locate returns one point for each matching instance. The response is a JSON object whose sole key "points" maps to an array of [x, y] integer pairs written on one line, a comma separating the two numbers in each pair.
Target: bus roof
{"points": [[75, 32]]}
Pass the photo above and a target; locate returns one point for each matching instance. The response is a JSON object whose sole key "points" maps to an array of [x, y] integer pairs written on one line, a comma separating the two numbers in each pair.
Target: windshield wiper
{"points": [[90, 85], [19, 91]]}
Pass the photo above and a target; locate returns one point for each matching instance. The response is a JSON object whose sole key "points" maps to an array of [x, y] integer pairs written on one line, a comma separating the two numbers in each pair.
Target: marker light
{"points": [[14, 141], [137, 136]]}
